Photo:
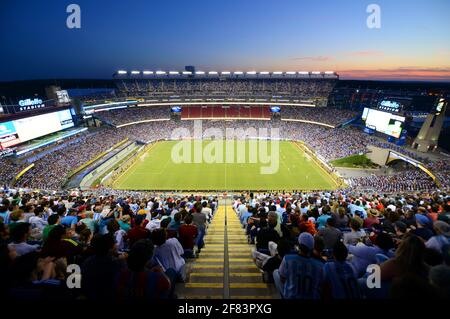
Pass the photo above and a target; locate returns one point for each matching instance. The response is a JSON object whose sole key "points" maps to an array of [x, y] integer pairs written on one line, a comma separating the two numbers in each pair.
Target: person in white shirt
{"points": [[37, 221], [206, 210], [153, 224], [168, 253], [19, 236]]}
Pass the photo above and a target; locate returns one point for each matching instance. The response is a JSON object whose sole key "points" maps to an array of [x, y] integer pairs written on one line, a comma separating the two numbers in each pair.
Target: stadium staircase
{"points": [[225, 268]]}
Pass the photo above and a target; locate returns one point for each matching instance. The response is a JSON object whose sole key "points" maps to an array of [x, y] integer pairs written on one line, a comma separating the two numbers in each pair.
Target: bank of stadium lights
{"points": [[224, 73]]}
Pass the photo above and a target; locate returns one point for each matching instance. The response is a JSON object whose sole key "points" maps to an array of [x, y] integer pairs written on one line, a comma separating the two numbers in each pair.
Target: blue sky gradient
{"points": [[265, 35]]}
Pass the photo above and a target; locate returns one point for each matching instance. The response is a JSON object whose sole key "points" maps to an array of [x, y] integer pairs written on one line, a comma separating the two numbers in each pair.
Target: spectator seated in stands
{"points": [[364, 255], [372, 218], [340, 281], [440, 241], [342, 219], [168, 253], [356, 235], [99, 272], [422, 228], [53, 221], [138, 282], [270, 263], [175, 224], [37, 221], [138, 231], [330, 234], [408, 260], [272, 233], [19, 235], [187, 235], [60, 244], [300, 276], [307, 224]]}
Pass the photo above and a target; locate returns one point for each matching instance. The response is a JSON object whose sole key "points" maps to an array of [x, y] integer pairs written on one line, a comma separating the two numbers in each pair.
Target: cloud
{"points": [[399, 73], [314, 58]]}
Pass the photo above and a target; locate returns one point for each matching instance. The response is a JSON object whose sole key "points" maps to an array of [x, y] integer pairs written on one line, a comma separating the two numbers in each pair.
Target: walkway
{"points": [[225, 268]]}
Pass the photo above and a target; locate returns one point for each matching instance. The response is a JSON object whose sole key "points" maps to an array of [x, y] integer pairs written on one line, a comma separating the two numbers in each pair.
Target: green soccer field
{"points": [[157, 169]]}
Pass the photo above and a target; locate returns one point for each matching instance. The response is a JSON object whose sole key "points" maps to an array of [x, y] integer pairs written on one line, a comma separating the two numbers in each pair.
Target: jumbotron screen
{"points": [[384, 122], [275, 109], [28, 128]]}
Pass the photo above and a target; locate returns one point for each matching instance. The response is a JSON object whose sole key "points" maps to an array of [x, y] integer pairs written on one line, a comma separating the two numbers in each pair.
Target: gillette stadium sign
{"points": [[30, 104]]}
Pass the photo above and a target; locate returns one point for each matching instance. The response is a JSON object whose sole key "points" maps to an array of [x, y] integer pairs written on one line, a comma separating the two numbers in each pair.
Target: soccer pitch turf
{"points": [[155, 170]]}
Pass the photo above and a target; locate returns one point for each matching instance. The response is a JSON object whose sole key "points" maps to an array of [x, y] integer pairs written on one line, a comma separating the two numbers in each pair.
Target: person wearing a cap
{"points": [[301, 265], [441, 238], [372, 218], [422, 229]]}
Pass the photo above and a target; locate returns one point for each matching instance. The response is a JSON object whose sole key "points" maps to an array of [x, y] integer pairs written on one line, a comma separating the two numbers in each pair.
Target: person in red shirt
{"points": [[138, 231], [187, 233], [306, 225], [372, 218]]}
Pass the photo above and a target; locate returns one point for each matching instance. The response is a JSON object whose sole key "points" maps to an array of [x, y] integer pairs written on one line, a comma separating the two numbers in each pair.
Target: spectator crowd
{"points": [[52, 168], [127, 248], [326, 245]]}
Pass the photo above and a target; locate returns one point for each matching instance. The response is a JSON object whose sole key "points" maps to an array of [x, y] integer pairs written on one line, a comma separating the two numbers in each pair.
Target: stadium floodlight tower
{"points": [[427, 139]]}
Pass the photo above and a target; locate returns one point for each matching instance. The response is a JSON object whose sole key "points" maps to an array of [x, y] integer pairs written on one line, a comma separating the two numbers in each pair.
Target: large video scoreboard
{"points": [[28, 128], [384, 122]]}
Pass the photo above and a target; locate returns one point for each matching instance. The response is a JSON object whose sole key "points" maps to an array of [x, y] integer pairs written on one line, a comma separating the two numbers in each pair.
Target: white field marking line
{"points": [[327, 175], [131, 166], [145, 157]]}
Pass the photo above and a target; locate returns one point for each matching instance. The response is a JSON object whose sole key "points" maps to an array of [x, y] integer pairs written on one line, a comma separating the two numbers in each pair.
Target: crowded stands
{"points": [[331, 239], [300, 88], [134, 246], [130, 115], [327, 115], [128, 248], [328, 144]]}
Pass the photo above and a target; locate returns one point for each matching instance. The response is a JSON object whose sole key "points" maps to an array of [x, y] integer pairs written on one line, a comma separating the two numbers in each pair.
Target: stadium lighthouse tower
{"points": [[427, 139]]}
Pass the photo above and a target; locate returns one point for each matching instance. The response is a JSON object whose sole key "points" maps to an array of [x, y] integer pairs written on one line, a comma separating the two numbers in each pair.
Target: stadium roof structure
{"points": [[148, 74]]}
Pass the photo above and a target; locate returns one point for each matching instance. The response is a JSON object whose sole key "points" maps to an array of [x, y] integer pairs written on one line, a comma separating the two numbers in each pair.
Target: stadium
{"points": [[159, 183]]}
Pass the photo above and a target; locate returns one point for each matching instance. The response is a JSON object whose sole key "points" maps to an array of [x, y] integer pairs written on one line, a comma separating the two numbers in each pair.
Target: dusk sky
{"points": [[263, 35]]}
